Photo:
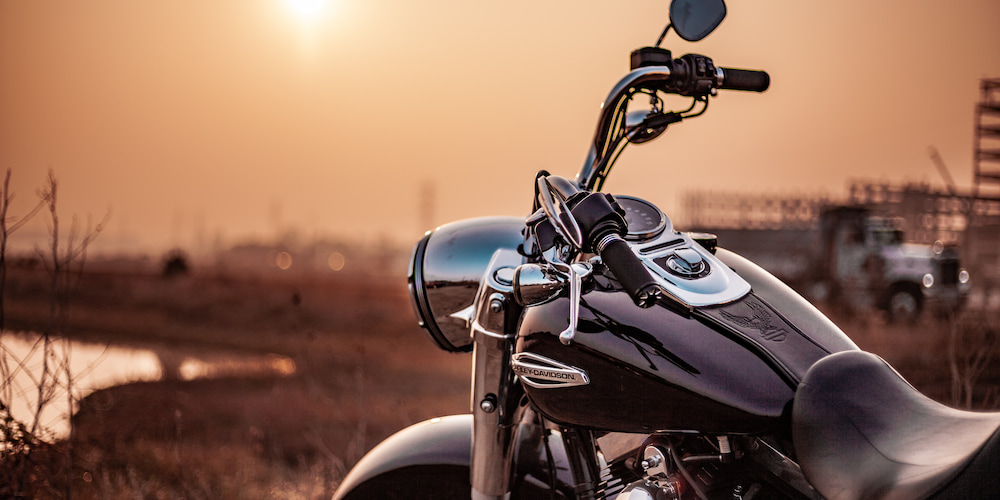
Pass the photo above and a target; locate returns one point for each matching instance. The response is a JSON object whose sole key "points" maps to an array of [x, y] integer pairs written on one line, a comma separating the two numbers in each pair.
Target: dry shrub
{"points": [[973, 344]]}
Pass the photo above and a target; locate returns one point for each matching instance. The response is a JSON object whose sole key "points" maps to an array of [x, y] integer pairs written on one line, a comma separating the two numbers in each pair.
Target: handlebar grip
{"points": [[745, 79], [629, 270]]}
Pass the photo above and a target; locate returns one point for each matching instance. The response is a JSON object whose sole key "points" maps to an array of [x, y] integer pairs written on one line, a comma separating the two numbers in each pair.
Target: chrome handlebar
{"points": [[641, 77], [691, 75]]}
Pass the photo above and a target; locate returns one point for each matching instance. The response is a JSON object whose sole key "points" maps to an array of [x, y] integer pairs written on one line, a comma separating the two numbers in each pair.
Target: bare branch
{"points": [[64, 261]]}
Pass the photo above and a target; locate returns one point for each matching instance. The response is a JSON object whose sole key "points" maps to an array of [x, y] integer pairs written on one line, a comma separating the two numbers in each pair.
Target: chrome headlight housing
{"points": [[445, 269]]}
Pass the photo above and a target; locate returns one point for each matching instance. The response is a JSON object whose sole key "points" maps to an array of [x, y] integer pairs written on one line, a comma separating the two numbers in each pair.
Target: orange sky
{"points": [[195, 120]]}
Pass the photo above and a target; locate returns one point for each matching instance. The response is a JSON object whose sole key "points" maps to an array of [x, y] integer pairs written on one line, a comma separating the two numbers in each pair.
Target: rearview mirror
{"points": [[696, 19], [558, 213]]}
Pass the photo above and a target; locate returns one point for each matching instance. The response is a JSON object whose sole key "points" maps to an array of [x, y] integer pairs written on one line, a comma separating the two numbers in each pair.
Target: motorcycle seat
{"points": [[861, 431]]}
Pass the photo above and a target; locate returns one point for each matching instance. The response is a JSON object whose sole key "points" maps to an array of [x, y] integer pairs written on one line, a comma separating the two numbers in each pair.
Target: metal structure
{"points": [[927, 214], [711, 209], [986, 150]]}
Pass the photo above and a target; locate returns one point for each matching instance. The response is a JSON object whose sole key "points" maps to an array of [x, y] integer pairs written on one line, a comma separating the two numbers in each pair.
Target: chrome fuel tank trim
{"points": [[544, 373], [690, 272]]}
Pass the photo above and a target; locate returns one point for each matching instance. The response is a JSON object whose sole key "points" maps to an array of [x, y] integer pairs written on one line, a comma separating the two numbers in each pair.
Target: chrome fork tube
{"points": [[494, 406], [495, 396]]}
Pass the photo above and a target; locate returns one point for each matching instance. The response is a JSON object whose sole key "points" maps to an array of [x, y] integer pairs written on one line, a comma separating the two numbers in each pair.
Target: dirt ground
{"points": [[363, 370]]}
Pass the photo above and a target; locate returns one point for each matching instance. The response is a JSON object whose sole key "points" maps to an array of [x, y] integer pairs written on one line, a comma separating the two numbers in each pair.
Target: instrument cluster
{"points": [[645, 221]]}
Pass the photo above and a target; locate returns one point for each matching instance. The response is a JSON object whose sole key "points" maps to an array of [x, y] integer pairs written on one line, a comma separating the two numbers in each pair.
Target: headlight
{"points": [[445, 269], [928, 280], [963, 276]]}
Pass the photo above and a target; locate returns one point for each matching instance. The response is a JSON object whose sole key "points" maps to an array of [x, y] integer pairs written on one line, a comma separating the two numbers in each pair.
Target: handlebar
{"points": [[628, 270], [744, 79], [602, 223], [689, 75]]}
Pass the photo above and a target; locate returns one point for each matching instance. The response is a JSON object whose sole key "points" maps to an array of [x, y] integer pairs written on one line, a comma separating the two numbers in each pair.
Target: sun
{"points": [[307, 9]]}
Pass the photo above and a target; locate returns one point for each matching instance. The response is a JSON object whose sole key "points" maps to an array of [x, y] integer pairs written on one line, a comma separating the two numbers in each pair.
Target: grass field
{"points": [[362, 370]]}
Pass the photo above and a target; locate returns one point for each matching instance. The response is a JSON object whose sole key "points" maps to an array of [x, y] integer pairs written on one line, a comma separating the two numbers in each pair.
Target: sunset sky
{"points": [[219, 120]]}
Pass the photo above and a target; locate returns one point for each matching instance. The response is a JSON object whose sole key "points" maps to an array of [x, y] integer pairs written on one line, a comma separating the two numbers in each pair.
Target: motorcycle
{"points": [[616, 357]]}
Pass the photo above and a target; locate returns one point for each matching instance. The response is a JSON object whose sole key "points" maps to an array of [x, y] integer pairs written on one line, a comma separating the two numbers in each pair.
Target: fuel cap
{"points": [[685, 263]]}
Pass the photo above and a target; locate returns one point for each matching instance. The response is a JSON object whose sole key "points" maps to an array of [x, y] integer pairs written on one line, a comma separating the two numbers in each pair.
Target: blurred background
{"points": [[201, 125], [253, 174]]}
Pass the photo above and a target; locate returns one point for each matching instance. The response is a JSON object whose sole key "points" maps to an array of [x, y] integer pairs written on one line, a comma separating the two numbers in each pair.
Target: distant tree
{"points": [[175, 263]]}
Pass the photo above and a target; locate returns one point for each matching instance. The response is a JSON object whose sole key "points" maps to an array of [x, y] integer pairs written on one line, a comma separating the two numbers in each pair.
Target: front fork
{"points": [[497, 408], [495, 414], [495, 395]]}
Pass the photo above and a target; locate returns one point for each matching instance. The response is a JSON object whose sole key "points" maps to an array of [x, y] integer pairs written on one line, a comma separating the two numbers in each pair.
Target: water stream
{"points": [[99, 366]]}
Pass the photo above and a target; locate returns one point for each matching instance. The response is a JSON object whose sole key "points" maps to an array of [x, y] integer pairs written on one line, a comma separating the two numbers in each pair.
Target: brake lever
{"points": [[565, 224], [576, 273]]}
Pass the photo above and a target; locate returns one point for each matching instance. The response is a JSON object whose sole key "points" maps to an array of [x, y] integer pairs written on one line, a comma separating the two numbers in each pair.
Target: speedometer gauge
{"points": [[645, 221]]}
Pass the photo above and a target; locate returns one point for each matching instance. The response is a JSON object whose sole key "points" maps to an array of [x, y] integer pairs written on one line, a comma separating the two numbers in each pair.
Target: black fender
{"points": [[431, 460]]}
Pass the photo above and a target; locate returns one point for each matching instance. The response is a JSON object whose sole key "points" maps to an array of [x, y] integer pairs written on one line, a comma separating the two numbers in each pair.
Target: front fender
{"points": [[431, 459], [426, 460]]}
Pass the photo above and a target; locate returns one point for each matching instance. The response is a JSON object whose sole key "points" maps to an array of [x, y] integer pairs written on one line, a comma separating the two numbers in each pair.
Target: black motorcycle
{"points": [[614, 357]]}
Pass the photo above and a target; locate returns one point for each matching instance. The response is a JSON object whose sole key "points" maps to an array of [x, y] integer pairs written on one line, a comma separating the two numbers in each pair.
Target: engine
{"points": [[676, 468]]}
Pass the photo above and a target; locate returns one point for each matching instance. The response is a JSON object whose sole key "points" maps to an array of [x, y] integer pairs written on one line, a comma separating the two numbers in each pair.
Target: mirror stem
{"points": [[663, 35]]}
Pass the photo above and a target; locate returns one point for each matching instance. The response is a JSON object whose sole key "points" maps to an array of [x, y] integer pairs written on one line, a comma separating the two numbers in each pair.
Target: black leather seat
{"points": [[861, 431]]}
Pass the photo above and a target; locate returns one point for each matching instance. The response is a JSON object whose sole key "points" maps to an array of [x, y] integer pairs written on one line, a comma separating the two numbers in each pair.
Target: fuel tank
{"points": [[729, 368]]}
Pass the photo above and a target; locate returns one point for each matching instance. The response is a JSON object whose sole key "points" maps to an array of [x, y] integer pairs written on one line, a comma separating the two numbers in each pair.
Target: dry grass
{"points": [[924, 352], [363, 371]]}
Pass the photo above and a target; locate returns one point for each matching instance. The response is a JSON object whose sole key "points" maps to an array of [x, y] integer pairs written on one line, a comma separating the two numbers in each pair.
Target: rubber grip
{"points": [[745, 79], [631, 273]]}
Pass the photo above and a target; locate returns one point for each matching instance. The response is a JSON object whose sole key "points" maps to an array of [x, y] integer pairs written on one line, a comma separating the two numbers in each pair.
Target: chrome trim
{"points": [[575, 284], [627, 202], [478, 328], [545, 373], [465, 315], [505, 275], [639, 490], [605, 241], [714, 283], [535, 284], [535, 218], [493, 437], [656, 462], [687, 264]]}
